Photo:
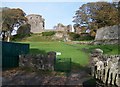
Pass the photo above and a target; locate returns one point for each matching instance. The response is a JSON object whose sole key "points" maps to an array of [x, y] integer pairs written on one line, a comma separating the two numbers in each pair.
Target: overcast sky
{"points": [[52, 12]]}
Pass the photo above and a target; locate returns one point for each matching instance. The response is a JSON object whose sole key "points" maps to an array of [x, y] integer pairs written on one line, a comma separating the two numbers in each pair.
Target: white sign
{"points": [[58, 53]]}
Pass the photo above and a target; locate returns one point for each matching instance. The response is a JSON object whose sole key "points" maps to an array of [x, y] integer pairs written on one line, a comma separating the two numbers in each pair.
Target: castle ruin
{"points": [[108, 35], [37, 23]]}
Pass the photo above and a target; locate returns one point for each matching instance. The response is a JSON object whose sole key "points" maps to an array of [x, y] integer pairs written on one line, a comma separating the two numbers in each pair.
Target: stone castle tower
{"points": [[37, 23]]}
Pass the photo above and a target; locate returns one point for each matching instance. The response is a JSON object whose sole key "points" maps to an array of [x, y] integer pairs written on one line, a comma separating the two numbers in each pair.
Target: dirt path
{"points": [[18, 77]]}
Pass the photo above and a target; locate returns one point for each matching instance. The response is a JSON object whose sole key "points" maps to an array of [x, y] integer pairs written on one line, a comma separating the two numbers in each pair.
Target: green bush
{"points": [[50, 33], [20, 36], [22, 32], [24, 29], [74, 36], [78, 37], [86, 38]]}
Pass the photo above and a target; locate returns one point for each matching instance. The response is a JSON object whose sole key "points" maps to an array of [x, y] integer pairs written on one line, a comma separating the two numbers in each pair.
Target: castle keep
{"points": [[37, 23]]}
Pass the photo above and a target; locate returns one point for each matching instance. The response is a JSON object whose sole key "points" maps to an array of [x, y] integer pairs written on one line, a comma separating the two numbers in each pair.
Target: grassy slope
{"points": [[67, 51], [41, 44], [38, 37], [79, 57]]}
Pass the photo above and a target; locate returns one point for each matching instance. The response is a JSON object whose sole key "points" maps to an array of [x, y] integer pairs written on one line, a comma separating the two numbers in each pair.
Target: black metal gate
{"points": [[63, 64]]}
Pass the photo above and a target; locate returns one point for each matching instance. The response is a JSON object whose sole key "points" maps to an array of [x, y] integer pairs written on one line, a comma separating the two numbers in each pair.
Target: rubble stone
{"points": [[38, 61]]}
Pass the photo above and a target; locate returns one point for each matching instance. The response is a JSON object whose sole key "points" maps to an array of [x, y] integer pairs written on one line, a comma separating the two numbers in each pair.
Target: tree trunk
{"points": [[8, 39], [8, 36]]}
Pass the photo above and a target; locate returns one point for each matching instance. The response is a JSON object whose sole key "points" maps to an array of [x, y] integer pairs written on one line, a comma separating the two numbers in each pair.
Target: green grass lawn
{"points": [[79, 57], [66, 50], [37, 38], [107, 49]]}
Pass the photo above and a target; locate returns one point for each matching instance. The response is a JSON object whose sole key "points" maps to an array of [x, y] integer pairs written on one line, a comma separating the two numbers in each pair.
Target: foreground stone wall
{"points": [[38, 61], [105, 69], [107, 35]]}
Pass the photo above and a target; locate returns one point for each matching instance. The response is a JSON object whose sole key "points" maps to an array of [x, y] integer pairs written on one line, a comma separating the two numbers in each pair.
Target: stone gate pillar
{"points": [[51, 59]]}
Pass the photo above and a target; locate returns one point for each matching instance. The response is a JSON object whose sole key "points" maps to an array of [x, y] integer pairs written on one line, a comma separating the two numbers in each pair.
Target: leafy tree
{"points": [[96, 15], [60, 24], [22, 32], [11, 17], [24, 29]]}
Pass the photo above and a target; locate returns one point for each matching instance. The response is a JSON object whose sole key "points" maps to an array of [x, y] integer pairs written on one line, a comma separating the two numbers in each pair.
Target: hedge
{"points": [[50, 33]]}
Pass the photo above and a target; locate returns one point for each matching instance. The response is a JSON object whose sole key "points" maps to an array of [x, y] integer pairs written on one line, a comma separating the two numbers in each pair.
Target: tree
{"points": [[60, 25], [96, 15], [11, 17], [24, 29], [22, 32]]}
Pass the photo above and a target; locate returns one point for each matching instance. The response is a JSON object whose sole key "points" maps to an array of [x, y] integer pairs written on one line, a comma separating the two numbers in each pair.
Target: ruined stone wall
{"points": [[38, 61], [36, 22], [107, 35], [105, 69], [61, 28]]}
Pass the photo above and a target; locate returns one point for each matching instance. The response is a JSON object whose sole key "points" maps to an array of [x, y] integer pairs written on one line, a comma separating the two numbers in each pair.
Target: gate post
{"points": [[51, 59]]}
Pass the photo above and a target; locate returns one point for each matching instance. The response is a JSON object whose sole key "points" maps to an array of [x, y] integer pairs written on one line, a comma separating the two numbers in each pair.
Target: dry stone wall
{"points": [[105, 69], [83, 42], [38, 61]]}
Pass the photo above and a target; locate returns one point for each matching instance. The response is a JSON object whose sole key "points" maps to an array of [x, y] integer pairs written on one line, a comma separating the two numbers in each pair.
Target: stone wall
{"points": [[38, 61], [36, 22], [83, 42], [58, 35], [107, 35], [67, 28], [105, 69]]}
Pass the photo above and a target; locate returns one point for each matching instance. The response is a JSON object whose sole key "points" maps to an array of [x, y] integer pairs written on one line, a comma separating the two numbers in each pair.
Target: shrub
{"points": [[84, 38], [74, 36], [50, 33], [20, 36], [24, 29], [22, 32]]}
